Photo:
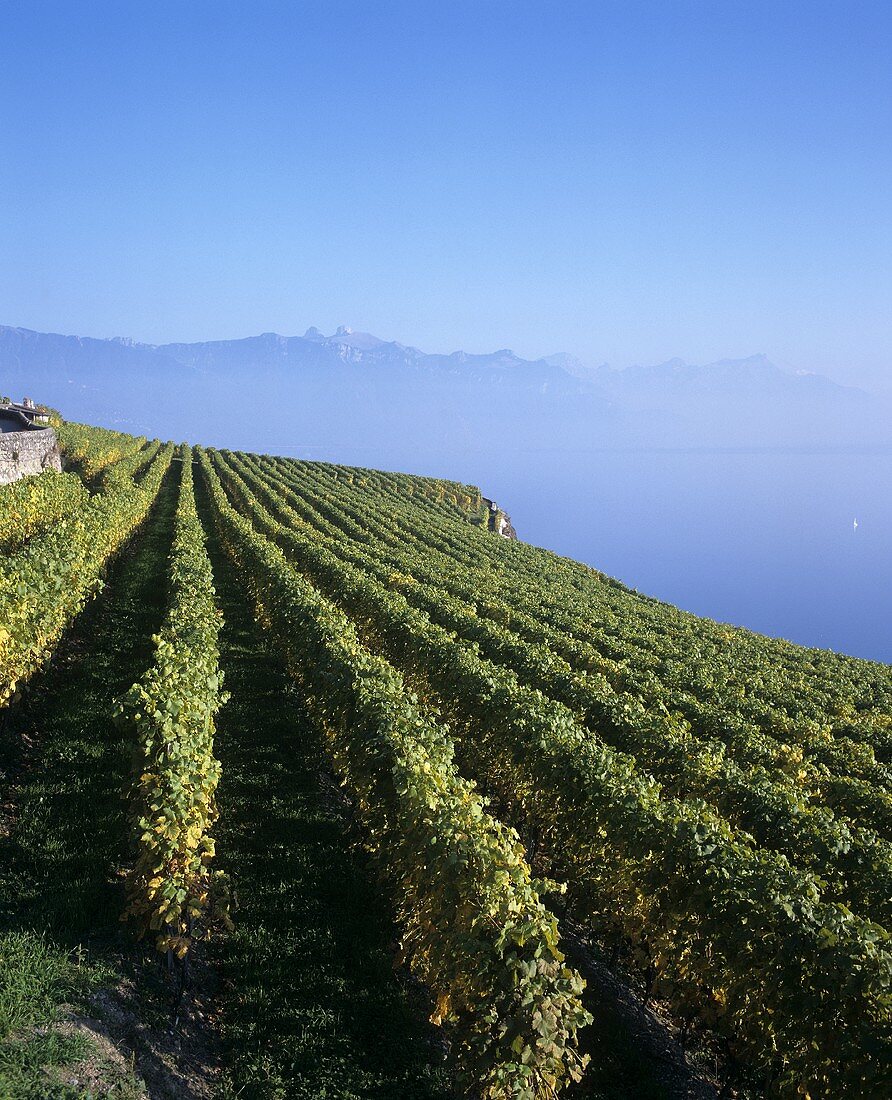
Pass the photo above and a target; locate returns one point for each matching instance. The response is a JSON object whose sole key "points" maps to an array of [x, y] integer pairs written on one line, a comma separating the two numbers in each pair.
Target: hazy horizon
{"points": [[624, 183], [730, 492], [450, 350]]}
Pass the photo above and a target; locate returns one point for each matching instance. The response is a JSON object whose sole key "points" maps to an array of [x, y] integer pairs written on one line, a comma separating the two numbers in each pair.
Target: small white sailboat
{"points": [[854, 525]]}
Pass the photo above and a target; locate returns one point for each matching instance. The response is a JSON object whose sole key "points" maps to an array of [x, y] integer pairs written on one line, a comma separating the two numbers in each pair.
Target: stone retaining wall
{"points": [[28, 452]]}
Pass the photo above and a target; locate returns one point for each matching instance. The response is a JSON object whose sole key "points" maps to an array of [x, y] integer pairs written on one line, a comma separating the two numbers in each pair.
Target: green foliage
{"points": [[34, 504], [171, 890], [48, 580], [735, 933], [474, 927]]}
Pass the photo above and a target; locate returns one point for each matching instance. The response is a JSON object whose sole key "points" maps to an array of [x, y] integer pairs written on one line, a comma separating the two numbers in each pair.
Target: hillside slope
{"points": [[716, 805]]}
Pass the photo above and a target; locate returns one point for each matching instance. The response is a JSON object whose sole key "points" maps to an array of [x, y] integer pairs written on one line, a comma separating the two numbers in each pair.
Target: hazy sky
{"points": [[625, 181]]}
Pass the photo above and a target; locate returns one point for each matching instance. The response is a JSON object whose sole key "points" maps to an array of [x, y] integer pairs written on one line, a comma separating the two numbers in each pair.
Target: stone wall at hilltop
{"points": [[28, 452]]}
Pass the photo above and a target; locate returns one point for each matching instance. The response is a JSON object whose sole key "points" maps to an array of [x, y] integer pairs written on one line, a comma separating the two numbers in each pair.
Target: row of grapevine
{"points": [[474, 928], [170, 710], [130, 467], [856, 862], [722, 661], [801, 985], [840, 774], [33, 504], [90, 450], [45, 583], [772, 681], [452, 498]]}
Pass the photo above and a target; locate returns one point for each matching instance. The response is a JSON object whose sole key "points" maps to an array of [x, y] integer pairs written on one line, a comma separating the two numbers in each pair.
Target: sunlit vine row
{"points": [[171, 891], [801, 985], [474, 928]]}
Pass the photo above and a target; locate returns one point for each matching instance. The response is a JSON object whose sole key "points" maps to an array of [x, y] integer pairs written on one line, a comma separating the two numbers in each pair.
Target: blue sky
{"points": [[625, 181]]}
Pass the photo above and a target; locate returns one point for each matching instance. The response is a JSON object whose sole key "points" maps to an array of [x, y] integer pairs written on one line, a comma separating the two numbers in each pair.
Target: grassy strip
{"points": [[39, 1059]]}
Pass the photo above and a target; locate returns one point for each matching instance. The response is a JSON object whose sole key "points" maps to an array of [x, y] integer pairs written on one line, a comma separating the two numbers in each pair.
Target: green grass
{"points": [[37, 1060], [312, 1007], [34, 978], [66, 834]]}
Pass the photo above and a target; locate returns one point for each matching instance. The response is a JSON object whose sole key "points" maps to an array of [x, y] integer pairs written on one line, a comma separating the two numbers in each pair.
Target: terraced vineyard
{"points": [[447, 764]]}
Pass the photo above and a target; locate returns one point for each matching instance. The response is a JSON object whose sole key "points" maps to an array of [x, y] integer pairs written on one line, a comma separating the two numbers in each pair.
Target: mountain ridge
{"points": [[354, 392], [363, 344]]}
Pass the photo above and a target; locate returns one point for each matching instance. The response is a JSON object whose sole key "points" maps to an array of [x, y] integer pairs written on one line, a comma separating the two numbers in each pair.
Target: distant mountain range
{"points": [[357, 396]]}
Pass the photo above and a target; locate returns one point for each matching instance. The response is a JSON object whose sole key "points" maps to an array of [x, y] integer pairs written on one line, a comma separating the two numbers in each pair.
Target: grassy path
{"points": [[63, 829], [312, 1007]]}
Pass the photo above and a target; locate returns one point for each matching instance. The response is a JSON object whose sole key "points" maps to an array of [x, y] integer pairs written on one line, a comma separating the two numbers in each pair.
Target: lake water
{"points": [[761, 539]]}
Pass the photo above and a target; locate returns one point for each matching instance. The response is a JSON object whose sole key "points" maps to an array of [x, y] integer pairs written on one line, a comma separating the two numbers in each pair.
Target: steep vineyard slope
{"points": [[716, 802], [442, 756]]}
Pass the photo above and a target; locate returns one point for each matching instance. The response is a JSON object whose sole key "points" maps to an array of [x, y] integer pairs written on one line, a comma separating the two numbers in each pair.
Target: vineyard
{"points": [[310, 758]]}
